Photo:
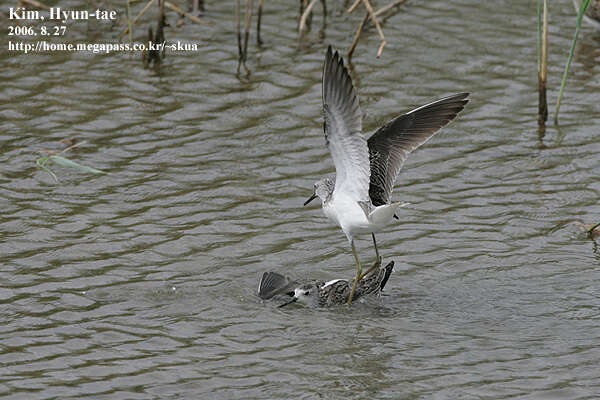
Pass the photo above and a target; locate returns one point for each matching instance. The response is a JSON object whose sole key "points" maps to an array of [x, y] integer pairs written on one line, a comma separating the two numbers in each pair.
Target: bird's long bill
{"points": [[314, 196], [293, 300]]}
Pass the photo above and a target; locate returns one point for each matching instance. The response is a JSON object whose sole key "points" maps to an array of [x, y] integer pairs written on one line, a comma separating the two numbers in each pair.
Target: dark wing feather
{"points": [[273, 284], [388, 271], [391, 144]]}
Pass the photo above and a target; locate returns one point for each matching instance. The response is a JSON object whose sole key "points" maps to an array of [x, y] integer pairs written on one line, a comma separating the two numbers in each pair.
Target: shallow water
{"points": [[141, 283]]}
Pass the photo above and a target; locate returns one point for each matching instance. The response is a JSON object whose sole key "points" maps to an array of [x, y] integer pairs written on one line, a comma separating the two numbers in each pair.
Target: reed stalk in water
{"points": [[258, 39], [373, 16], [582, 9], [542, 61]]}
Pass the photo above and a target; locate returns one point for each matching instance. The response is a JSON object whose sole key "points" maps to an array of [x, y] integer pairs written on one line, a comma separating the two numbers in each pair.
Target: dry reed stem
{"points": [[543, 72], [258, 39], [73, 146], [36, 4], [198, 20], [354, 6], [247, 20], [543, 102], [357, 35], [197, 7], [162, 21], [307, 11], [129, 25], [377, 13], [146, 7], [388, 7], [379, 30], [239, 34]]}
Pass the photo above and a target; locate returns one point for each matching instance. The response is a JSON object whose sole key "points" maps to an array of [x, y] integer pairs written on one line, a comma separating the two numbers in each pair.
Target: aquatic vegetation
{"points": [[542, 61], [594, 231], [155, 55], [57, 159], [582, 9]]}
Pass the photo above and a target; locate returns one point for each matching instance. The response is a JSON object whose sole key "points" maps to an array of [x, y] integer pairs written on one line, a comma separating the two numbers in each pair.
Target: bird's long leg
{"points": [[358, 272], [367, 272], [377, 262]]}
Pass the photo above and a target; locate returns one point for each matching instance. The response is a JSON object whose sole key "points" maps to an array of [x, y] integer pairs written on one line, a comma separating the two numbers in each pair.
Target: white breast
{"points": [[348, 214]]}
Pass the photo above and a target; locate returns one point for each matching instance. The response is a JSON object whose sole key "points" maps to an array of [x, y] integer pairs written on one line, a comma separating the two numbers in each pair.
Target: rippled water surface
{"points": [[141, 283]]}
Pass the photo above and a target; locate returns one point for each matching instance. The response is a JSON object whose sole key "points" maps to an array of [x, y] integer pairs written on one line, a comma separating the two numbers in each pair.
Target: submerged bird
{"points": [[358, 197], [321, 293]]}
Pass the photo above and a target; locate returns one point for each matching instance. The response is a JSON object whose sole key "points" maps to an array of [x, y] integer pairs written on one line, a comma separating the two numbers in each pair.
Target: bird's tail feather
{"points": [[388, 269], [382, 214]]}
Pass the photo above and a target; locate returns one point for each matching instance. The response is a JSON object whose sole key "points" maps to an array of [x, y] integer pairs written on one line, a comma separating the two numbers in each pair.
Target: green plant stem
{"points": [[592, 228], [41, 162], [582, 9], [129, 23]]}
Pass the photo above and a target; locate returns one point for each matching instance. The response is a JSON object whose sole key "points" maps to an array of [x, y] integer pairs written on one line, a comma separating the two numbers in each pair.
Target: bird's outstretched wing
{"points": [[391, 144], [343, 129], [272, 284]]}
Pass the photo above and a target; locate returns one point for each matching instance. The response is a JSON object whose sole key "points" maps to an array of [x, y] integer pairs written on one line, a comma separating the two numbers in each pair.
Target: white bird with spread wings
{"points": [[358, 198]]}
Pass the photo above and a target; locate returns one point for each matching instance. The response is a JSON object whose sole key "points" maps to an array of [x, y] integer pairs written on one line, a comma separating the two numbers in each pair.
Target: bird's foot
{"points": [[353, 289], [376, 265]]}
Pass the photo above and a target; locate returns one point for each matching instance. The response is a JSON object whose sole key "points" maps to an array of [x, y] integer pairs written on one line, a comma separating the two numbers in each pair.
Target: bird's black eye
{"points": [[307, 293]]}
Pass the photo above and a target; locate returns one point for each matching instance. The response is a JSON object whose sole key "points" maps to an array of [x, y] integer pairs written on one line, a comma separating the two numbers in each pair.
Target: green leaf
{"points": [[41, 162], [65, 162]]}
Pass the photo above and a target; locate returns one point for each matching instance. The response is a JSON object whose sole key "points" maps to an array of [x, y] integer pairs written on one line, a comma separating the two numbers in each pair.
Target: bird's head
{"points": [[323, 188], [307, 294]]}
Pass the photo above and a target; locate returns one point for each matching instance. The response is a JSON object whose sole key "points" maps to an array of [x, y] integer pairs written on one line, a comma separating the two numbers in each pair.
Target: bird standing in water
{"points": [[358, 197]]}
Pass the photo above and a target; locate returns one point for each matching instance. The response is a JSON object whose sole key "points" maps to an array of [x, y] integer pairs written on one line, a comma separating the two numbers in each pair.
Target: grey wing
{"points": [[391, 144], [272, 284], [343, 129]]}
